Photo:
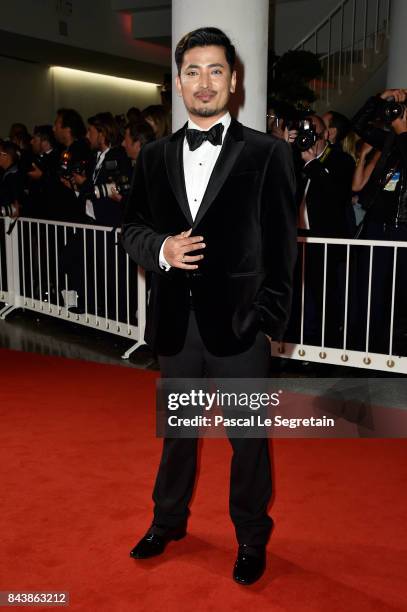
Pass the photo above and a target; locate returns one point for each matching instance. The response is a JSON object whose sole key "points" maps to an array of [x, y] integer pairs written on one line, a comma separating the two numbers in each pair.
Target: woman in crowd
{"points": [[157, 117]]}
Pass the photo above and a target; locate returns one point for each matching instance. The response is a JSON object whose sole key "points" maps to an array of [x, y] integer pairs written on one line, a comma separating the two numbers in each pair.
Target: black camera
{"points": [[68, 167], [391, 110], [26, 165], [9, 210], [116, 183], [307, 136]]}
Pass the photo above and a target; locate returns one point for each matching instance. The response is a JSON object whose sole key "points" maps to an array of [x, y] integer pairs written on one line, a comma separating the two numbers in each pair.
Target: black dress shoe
{"points": [[250, 564], [154, 543]]}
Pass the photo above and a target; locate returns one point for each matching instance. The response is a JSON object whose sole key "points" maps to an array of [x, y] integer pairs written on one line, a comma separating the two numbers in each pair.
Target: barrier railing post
{"points": [[12, 266]]}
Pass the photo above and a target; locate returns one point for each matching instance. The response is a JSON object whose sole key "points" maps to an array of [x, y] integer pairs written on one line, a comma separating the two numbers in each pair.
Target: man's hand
{"points": [[16, 208], [365, 150], [35, 173], [278, 131], [175, 248], [309, 155], [291, 136], [399, 95], [66, 183], [400, 125], [79, 179], [115, 196]]}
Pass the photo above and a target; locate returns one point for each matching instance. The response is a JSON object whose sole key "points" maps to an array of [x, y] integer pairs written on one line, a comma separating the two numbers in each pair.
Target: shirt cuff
{"points": [[163, 263]]}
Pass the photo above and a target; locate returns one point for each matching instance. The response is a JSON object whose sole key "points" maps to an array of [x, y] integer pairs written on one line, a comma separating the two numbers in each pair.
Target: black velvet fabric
{"points": [[248, 220]]}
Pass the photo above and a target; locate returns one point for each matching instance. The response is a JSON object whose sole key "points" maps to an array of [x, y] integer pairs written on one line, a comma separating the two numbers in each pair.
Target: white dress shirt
{"points": [[198, 167]]}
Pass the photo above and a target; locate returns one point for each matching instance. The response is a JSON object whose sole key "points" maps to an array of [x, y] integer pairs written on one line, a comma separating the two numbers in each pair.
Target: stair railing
{"points": [[346, 38]]}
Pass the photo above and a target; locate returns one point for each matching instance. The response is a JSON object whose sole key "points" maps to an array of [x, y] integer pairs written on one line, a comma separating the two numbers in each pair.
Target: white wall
{"points": [[91, 93], [27, 94], [34, 92]]}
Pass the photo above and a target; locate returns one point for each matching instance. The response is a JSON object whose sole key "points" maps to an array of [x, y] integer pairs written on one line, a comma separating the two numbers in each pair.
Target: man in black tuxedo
{"points": [[214, 221]]}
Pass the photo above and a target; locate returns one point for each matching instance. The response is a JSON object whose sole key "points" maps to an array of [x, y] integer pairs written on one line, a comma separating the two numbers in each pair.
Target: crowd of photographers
{"points": [[351, 183], [74, 172]]}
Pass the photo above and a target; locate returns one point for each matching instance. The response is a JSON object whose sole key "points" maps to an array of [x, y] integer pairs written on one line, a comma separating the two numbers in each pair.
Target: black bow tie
{"points": [[196, 137]]}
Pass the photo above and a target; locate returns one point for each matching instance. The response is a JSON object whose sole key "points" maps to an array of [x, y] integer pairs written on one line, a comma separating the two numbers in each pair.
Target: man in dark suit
{"points": [[324, 197], [214, 221], [326, 192]]}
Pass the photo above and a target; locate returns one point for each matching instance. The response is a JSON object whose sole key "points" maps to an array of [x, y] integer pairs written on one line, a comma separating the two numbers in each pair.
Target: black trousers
{"points": [[250, 476]]}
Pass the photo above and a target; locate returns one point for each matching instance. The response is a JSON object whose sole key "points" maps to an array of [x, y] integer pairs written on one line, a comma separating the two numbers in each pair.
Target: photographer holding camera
{"points": [[41, 174], [386, 212], [324, 197], [70, 132], [109, 173], [325, 194], [136, 135], [11, 184]]}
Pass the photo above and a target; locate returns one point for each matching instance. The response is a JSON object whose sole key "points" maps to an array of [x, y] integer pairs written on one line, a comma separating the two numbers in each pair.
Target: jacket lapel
{"points": [[175, 170], [231, 149]]}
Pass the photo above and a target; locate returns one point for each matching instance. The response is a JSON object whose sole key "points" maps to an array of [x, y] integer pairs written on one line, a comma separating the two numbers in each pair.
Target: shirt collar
{"points": [[225, 120], [322, 152], [101, 155]]}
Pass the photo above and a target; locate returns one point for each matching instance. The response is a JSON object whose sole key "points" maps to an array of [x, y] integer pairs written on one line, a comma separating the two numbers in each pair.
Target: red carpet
{"points": [[78, 459]]}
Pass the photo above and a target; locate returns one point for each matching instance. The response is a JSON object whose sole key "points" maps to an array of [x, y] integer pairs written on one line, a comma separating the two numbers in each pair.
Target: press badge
{"points": [[392, 183]]}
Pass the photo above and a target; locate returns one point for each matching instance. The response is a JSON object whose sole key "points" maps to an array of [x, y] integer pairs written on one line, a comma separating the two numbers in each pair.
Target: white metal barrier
{"points": [[345, 38], [75, 272], [43, 262], [355, 321], [7, 280]]}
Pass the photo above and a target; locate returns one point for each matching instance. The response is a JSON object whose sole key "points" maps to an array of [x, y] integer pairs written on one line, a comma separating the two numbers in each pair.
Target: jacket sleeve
{"points": [[401, 143], [139, 237], [334, 182], [362, 123], [273, 301]]}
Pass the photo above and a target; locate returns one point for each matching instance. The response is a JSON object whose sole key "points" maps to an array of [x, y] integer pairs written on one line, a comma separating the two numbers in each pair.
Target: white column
{"points": [[397, 67], [246, 24]]}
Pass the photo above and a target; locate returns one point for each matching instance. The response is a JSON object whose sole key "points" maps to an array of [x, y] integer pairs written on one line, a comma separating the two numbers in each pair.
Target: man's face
{"points": [[61, 133], [5, 160], [206, 81], [132, 148], [332, 132], [322, 134], [36, 144], [95, 138]]}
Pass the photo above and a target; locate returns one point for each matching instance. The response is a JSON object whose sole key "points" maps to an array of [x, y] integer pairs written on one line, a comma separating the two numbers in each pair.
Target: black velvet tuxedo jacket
{"points": [[248, 220]]}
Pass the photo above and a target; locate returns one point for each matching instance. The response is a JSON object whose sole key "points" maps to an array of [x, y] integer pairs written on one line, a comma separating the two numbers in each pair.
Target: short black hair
{"points": [[72, 119], [11, 149], [140, 131], [45, 132], [203, 37], [341, 123]]}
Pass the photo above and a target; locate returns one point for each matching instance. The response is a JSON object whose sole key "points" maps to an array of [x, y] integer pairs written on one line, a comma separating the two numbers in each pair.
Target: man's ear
{"points": [[178, 85], [233, 82]]}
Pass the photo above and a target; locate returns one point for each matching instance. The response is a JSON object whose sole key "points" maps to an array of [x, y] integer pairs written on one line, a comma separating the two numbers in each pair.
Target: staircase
{"points": [[352, 45]]}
